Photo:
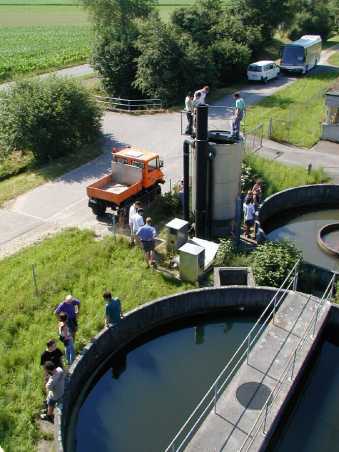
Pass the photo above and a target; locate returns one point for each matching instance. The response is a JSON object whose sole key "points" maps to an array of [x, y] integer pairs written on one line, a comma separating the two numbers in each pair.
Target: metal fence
{"points": [[288, 372], [210, 399], [253, 138], [130, 105]]}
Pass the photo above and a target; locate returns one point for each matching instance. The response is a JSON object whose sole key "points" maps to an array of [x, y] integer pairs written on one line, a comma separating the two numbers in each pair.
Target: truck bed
{"points": [[113, 192]]}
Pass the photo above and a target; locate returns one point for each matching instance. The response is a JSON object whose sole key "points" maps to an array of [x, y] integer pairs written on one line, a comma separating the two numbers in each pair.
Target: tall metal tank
{"points": [[223, 177]]}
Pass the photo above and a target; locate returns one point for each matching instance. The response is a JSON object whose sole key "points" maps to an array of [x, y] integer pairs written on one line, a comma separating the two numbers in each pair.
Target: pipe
{"points": [[211, 156], [186, 200], [201, 171]]}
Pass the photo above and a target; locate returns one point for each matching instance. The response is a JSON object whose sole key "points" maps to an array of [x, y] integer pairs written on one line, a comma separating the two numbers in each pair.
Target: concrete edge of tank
{"points": [[297, 197], [138, 322]]}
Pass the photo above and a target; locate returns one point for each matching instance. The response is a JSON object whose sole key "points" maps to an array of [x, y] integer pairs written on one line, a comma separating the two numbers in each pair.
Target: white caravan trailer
{"points": [[301, 55]]}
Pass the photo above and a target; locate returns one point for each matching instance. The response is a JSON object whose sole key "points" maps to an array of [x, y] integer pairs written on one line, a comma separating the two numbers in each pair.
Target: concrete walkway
{"points": [[243, 399]]}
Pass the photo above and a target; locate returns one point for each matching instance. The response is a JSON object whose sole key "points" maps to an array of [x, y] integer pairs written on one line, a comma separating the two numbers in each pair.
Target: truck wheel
{"points": [[99, 210]]}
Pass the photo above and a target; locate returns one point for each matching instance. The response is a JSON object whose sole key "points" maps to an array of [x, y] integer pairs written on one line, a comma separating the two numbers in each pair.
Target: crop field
{"points": [[35, 49]]}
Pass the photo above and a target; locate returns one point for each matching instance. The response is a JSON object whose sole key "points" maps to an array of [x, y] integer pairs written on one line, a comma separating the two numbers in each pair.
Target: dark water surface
{"points": [[313, 423], [163, 381], [302, 229]]}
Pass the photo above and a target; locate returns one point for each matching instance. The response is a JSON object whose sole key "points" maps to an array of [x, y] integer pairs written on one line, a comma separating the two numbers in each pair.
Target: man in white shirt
{"points": [[189, 113], [132, 211], [138, 221], [203, 93]]}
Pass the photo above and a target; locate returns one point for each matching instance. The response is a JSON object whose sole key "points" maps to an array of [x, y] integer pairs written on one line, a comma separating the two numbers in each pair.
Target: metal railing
{"points": [[254, 138], [210, 399], [130, 105], [261, 421]]}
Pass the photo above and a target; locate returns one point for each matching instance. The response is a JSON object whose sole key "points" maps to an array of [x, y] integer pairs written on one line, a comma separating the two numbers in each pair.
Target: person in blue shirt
{"points": [[146, 235], [113, 313]]}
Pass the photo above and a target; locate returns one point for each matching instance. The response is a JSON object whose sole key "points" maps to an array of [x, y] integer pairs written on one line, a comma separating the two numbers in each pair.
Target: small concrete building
{"points": [[330, 129]]}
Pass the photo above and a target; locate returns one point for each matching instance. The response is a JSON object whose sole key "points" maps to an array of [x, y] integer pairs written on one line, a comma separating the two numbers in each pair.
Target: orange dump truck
{"points": [[136, 175]]}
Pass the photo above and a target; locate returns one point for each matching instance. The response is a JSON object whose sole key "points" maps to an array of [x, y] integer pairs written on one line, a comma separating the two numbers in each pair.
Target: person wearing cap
{"points": [[70, 306], [146, 235]]}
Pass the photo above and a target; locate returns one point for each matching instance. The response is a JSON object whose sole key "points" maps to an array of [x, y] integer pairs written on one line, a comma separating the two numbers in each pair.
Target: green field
{"points": [[296, 111], [334, 59], [71, 262]]}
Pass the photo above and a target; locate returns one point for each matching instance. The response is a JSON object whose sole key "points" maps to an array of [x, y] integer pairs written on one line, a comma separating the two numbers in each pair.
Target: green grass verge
{"points": [[70, 262], [33, 176], [334, 59], [297, 110], [278, 177]]}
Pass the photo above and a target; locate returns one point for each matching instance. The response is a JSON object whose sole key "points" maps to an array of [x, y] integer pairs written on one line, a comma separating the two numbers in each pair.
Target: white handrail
{"points": [[215, 388]]}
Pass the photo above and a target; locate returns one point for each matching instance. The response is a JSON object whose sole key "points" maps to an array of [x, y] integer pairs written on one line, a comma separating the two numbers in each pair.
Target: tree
{"points": [[49, 117], [268, 15], [116, 32], [313, 17], [162, 61]]}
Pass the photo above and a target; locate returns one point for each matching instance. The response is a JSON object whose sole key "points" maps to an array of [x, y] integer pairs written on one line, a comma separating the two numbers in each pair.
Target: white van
{"points": [[263, 71]]}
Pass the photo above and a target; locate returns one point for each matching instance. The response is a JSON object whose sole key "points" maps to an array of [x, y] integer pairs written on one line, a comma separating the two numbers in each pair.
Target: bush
{"points": [[50, 118], [272, 261]]}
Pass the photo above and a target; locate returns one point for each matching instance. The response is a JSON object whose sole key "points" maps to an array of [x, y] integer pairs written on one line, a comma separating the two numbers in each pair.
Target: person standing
{"points": [[52, 353], [113, 313], [55, 387], [147, 235], [66, 338], [138, 221], [132, 211], [257, 191], [249, 215], [189, 113], [203, 94], [70, 306], [238, 115]]}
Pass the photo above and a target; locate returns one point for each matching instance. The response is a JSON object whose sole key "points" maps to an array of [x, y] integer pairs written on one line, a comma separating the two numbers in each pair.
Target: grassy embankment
{"points": [[297, 110], [278, 177], [69, 262]]}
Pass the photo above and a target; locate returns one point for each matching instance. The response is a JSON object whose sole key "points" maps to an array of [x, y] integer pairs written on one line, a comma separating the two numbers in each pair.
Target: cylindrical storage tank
{"points": [[226, 174]]}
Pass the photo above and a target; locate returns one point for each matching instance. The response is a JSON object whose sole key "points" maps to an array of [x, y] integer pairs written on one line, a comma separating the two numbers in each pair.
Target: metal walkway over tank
{"points": [[240, 406]]}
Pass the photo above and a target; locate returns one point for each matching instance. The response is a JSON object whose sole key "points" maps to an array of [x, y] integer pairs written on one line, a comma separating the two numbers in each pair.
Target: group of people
{"points": [[199, 98], [52, 358], [142, 231], [252, 201]]}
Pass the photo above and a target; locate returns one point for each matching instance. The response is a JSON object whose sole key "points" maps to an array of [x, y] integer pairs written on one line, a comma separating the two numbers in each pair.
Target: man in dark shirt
{"points": [[53, 354], [113, 312], [70, 306]]}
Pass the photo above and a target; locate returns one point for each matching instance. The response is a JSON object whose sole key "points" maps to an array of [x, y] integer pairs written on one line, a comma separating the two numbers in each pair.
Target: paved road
{"points": [[63, 203]]}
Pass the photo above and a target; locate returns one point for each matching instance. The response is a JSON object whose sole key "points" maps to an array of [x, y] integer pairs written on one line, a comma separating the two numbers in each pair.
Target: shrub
{"points": [[225, 252], [272, 261], [50, 118]]}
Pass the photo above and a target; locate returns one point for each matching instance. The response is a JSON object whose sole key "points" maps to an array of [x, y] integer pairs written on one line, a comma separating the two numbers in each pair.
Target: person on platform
{"points": [[238, 115], [203, 94], [189, 113]]}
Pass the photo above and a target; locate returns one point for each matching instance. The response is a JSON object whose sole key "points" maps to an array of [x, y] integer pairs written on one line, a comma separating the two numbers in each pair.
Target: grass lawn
{"points": [[334, 59], [278, 177], [70, 262], [300, 105], [32, 176]]}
